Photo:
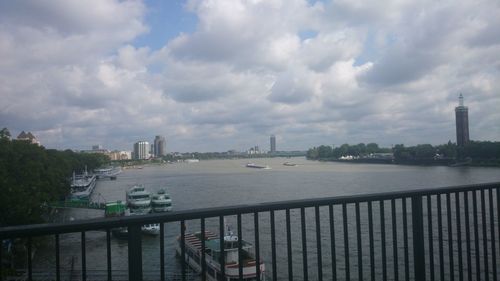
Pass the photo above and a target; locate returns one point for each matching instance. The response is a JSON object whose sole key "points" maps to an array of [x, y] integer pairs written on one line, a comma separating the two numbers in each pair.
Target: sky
{"points": [[216, 75]]}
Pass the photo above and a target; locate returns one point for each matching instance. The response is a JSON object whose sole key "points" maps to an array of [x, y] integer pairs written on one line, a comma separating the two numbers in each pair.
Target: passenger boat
{"points": [[161, 202], [139, 203], [253, 165], [109, 172], [212, 254], [82, 186], [138, 200]]}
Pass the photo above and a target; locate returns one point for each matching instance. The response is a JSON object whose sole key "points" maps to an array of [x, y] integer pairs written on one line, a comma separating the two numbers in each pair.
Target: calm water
{"points": [[227, 182]]}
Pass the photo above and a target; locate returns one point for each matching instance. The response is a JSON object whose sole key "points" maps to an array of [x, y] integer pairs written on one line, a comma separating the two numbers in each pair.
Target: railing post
{"points": [[418, 237], [134, 252]]}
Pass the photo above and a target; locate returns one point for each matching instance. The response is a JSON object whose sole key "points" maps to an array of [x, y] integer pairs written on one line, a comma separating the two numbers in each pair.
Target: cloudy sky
{"points": [[214, 75]]}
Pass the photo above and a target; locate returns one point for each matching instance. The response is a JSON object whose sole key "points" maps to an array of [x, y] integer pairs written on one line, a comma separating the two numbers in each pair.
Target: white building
{"points": [[142, 150]]}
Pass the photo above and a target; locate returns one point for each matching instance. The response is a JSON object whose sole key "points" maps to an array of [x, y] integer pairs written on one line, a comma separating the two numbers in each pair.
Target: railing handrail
{"points": [[108, 223]]}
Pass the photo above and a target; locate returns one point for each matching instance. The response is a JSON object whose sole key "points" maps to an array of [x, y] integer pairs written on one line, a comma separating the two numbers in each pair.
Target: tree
{"points": [[5, 134]]}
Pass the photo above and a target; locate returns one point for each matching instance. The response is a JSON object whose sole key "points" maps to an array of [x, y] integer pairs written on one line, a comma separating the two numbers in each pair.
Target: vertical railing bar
{"points": [[485, 236], [183, 250], [108, 253], [203, 258], [318, 244], [240, 246], [289, 244], [84, 262], [440, 237], [134, 252], [257, 245], [304, 242], [58, 260], [467, 236], [370, 235], [418, 238], [30, 266], [476, 235], [273, 246], [346, 242], [162, 251], [222, 262], [332, 243], [358, 234], [459, 237], [431, 237], [405, 240], [394, 239], [382, 235], [450, 237], [492, 233]]}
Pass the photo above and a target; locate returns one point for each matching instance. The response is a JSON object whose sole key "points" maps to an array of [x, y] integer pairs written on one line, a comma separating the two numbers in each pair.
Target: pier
{"points": [[449, 233]]}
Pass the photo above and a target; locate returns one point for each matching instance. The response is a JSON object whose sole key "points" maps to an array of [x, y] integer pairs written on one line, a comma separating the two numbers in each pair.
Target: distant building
{"points": [[160, 146], [28, 137], [120, 155], [462, 122], [272, 140], [141, 150], [97, 147]]}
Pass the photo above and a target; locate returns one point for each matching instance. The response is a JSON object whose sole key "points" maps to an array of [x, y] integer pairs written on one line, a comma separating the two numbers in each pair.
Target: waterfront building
{"points": [[159, 146], [272, 141], [462, 122], [119, 155], [141, 150], [28, 137]]}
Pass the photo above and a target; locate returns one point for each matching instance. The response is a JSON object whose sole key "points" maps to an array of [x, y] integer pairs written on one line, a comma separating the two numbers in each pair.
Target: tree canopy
{"points": [[31, 175]]}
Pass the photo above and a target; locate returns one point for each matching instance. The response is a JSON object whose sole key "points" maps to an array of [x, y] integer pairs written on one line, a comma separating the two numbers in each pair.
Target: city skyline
{"points": [[219, 75]]}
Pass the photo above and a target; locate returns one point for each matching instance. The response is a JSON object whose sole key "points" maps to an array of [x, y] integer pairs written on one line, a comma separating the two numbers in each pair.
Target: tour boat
{"points": [[109, 172], [253, 165], [82, 186], [138, 200], [161, 202], [212, 253]]}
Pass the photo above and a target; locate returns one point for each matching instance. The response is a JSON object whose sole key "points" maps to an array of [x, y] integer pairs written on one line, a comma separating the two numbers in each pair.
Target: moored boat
{"points": [[161, 202], [138, 200], [212, 253], [109, 172], [82, 185]]}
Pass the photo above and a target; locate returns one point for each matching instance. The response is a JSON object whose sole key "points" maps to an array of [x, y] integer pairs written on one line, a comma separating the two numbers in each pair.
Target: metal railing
{"points": [[449, 233]]}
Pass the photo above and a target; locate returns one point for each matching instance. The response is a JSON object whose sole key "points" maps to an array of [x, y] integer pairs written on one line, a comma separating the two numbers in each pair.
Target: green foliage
{"points": [[31, 175], [325, 152]]}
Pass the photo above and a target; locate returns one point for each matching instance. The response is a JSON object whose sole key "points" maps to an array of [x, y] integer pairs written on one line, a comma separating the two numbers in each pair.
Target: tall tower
{"points": [[462, 122], [272, 141], [141, 150], [159, 146]]}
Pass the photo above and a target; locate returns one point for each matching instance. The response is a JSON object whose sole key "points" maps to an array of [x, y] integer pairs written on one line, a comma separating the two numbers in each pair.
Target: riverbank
{"points": [[421, 162]]}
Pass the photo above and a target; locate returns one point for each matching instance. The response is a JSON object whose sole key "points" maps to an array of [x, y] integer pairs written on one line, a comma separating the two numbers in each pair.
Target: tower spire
{"points": [[461, 100]]}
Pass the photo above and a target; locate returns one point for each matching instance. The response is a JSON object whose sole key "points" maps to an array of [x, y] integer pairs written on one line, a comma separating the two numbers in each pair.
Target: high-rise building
{"points": [[159, 146], [462, 122], [273, 143], [141, 150]]}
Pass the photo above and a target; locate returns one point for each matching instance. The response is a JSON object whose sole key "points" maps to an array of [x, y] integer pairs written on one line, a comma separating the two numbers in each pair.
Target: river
{"points": [[214, 183]]}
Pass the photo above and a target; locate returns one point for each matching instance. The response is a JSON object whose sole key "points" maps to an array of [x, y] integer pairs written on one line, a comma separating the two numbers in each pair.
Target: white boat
{"points": [[82, 186], [151, 229], [192, 160], [109, 172], [289, 164], [138, 200], [253, 165], [161, 202], [212, 253]]}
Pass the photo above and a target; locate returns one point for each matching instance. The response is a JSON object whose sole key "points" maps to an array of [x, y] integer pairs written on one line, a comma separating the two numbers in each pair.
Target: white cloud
{"points": [[312, 73]]}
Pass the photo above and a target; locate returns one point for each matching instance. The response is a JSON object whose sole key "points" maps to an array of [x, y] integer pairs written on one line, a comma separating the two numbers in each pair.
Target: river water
{"points": [[228, 182]]}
